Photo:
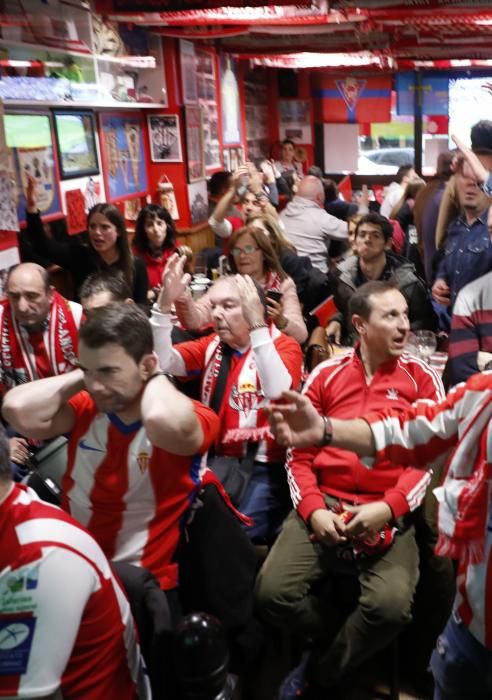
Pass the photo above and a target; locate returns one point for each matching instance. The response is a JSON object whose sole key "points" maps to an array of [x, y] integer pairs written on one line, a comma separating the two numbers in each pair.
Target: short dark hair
{"points": [[378, 220], [154, 211], [331, 190], [316, 171], [481, 137], [286, 141], [218, 183], [402, 171], [122, 324], [5, 468], [360, 300], [105, 282]]}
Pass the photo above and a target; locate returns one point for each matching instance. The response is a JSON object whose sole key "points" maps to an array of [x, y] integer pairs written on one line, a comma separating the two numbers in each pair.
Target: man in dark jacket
{"points": [[374, 262]]}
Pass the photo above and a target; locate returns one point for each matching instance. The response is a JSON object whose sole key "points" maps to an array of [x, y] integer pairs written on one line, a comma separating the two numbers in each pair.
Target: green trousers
{"points": [[302, 589]]}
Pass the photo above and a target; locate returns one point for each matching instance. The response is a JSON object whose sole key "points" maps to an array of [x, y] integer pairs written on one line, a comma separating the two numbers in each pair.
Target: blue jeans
{"points": [[461, 666], [266, 501]]}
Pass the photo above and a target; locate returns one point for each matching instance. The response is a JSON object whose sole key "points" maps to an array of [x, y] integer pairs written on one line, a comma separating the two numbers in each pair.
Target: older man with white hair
{"points": [[308, 226]]}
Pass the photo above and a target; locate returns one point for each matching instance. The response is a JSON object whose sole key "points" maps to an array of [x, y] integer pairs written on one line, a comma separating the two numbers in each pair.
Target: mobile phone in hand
{"points": [[276, 296]]}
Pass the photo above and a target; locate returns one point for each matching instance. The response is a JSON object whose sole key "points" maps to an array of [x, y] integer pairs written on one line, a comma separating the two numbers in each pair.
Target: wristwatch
{"points": [[327, 434]]}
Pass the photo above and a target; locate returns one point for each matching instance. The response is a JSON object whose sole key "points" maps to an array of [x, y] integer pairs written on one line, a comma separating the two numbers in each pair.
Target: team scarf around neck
{"points": [[18, 363], [272, 282], [246, 396], [465, 497]]}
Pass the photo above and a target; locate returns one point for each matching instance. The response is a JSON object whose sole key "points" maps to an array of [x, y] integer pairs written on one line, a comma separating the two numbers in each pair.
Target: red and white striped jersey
{"points": [[129, 494], [338, 388], [423, 434], [64, 620]]}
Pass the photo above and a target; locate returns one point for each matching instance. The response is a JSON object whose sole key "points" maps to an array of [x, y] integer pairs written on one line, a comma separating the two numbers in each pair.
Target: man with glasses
{"points": [[374, 261]]}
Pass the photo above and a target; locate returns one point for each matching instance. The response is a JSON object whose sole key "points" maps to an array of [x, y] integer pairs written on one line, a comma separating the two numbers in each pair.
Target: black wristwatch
{"points": [[327, 434]]}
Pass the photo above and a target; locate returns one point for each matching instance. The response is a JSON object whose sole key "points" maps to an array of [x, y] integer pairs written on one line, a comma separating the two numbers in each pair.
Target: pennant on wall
{"points": [[352, 100]]}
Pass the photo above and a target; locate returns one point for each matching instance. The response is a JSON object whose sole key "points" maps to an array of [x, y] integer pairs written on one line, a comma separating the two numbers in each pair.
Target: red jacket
{"points": [[155, 266], [338, 388]]}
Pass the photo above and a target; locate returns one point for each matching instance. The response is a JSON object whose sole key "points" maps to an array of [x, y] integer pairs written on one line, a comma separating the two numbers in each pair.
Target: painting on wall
{"points": [[194, 143], [29, 140], [230, 107], [123, 151], [165, 139]]}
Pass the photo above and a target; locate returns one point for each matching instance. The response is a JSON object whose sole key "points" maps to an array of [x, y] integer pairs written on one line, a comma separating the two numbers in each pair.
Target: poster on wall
{"points": [[165, 138], [229, 94], [123, 150], [295, 121], [198, 199], [207, 98], [187, 62], [29, 139], [194, 143]]}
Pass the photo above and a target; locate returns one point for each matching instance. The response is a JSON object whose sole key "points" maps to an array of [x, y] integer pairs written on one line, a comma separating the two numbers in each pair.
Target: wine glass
{"points": [[426, 344]]}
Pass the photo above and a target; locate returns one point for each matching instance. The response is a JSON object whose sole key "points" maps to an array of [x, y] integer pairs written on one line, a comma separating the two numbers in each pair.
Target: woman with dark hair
{"points": [[108, 247], [251, 253], [154, 242]]}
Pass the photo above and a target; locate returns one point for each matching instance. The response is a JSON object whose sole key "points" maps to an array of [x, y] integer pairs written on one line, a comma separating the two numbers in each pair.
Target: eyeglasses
{"points": [[247, 250]]}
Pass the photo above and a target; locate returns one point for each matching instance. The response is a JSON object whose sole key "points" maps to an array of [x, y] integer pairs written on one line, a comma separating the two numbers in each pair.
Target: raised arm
{"points": [[40, 409], [174, 422]]}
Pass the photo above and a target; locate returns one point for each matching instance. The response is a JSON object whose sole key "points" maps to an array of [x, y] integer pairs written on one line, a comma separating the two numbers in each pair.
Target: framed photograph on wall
{"points": [[207, 98], [194, 143], [123, 152], [229, 93], [76, 141], [31, 153], [165, 138], [295, 121], [187, 61], [198, 199]]}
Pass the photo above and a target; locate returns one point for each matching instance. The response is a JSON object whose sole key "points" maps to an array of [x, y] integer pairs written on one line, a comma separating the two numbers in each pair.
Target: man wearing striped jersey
{"points": [[66, 628], [349, 513], [134, 441]]}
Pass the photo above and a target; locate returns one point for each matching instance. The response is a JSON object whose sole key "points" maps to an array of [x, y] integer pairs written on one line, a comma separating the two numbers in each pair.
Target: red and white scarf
{"points": [[272, 282], [246, 398], [465, 498], [17, 360]]}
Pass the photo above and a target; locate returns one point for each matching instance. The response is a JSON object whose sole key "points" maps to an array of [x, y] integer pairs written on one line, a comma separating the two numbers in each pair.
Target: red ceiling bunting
{"points": [[109, 6]]}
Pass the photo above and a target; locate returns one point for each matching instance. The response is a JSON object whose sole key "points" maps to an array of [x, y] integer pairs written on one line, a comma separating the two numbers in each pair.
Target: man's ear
{"points": [[149, 365], [128, 300], [359, 324], [51, 291]]}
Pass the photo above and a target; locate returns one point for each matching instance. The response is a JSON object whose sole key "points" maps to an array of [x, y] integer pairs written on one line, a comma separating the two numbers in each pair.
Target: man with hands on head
{"points": [[346, 513], [134, 441], [245, 363]]}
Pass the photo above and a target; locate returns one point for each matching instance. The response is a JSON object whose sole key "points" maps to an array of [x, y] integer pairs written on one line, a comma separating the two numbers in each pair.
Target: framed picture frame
{"points": [[164, 138], [187, 61], [194, 143], [30, 145], [76, 142], [206, 78], [230, 103], [123, 154], [295, 121]]}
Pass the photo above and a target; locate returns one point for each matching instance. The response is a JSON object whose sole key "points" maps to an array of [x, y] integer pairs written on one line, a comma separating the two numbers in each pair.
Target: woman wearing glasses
{"points": [[251, 253]]}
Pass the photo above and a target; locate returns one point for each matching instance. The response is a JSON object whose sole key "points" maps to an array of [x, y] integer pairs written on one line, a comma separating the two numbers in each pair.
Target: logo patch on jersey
{"points": [[392, 394], [143, 460], [244, 400], [16, 637], [84, 446]]}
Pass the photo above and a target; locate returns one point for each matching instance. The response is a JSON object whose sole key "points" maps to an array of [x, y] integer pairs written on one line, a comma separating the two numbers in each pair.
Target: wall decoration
{"points": [[351, 100], [92, 193], [167, 196], [233, 158], [207, 98], [165, 138], [295, 121], [198, 199], [131, 209], [124, 153], [229, 93], [257, 106], [29, 138], [188, 72], [194, 143], [76, 141], [76, 216]]}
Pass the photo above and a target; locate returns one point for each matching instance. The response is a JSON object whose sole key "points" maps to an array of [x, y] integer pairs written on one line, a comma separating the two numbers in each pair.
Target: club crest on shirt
{"points": [[143, 460], [244, 398], [392, 394]]}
